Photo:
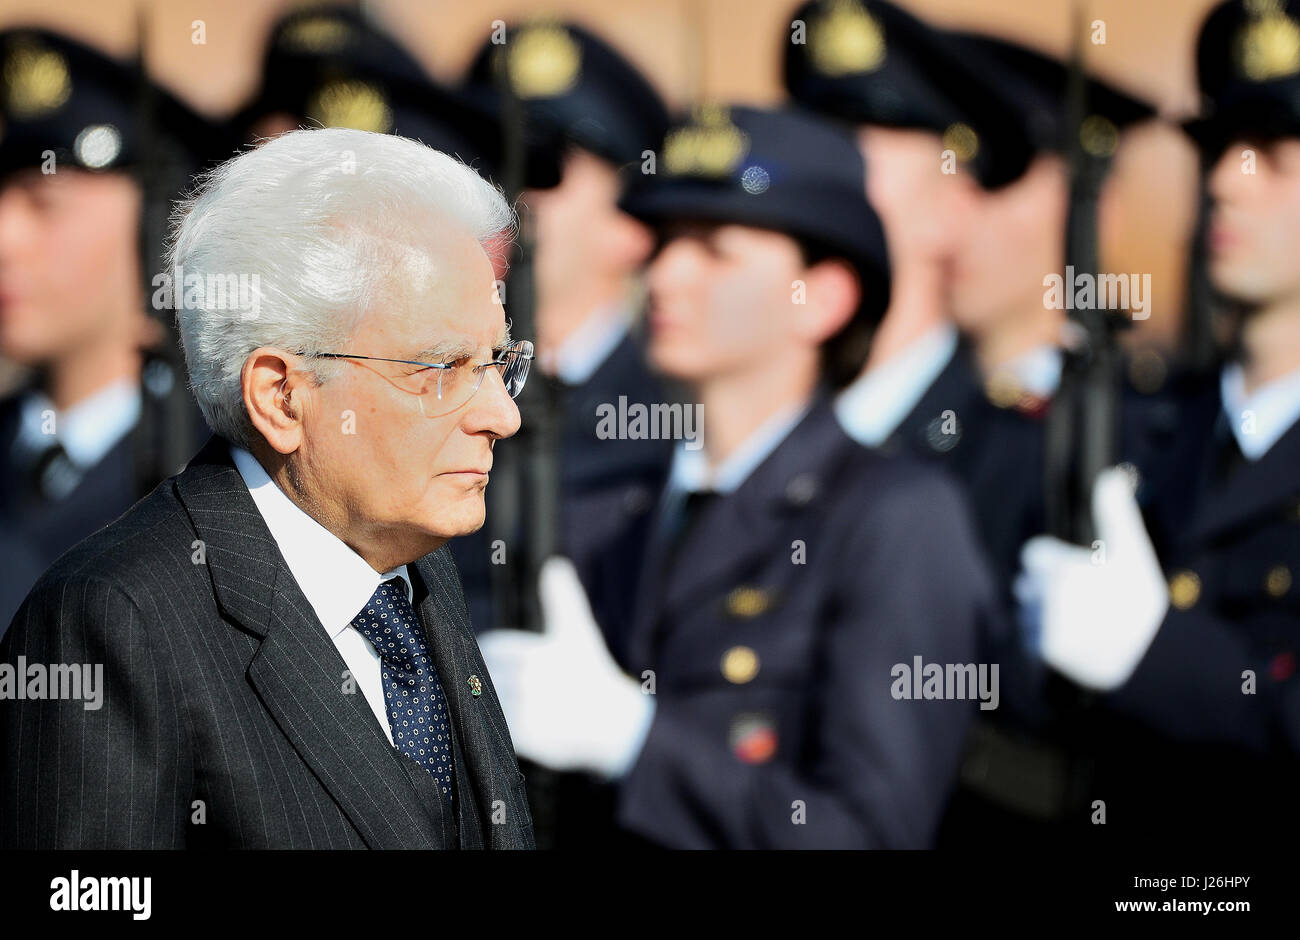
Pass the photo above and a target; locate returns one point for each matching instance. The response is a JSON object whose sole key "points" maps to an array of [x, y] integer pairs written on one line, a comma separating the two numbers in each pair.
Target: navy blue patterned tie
{"points": [[417, 708]]}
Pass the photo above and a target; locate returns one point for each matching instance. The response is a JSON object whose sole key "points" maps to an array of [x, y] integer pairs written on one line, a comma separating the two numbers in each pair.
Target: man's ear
{"points": [[834, 293], [269, 383]]}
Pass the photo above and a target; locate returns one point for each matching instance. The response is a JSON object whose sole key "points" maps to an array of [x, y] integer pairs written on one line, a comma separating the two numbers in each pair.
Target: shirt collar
{"points": [[583, 351], [690, 469], [1037, 371], [89, 429], [1258, 420], [875, 404], [336, 581]]}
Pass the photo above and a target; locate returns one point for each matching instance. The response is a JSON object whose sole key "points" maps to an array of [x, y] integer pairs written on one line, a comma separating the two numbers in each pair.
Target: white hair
{"points": [[317, 222]]}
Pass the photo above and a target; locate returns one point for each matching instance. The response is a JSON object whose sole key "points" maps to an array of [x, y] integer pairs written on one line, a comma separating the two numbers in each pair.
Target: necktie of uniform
{"points": [[689, 511], [417, 707]]}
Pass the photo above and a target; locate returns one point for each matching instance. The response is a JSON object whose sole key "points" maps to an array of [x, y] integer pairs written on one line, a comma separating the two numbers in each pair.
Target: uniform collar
{"points": [[336, 581], [1037, 371], [690, 469], [89, 429], [587, 347], [875, 404], [1258, 420]]}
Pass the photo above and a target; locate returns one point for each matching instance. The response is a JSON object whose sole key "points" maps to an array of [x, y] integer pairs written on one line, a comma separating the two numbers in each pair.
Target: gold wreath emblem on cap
{"points": [[36, 80], [318, 34], [711, 145], [846, 39], [543, 61], [962, 140], [1269, 46], [351, 103]]}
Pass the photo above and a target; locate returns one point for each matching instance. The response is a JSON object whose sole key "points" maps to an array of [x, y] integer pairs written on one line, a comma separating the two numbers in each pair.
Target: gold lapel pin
{"points": [[475, 686]]}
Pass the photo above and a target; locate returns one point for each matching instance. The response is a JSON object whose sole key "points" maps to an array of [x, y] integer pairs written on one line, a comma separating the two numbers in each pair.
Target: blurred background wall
{"points": [[722, 49]]}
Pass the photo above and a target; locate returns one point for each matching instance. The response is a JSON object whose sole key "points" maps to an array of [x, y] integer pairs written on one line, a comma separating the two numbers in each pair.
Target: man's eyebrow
{"points": [[444, 350]]}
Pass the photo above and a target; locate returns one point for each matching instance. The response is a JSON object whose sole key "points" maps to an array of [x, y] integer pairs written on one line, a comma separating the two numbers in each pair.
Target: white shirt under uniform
{"points": [[336, 581]]}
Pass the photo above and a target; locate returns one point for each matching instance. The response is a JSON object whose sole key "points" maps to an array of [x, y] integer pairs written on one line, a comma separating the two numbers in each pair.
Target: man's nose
{"points": [[492, 409]]}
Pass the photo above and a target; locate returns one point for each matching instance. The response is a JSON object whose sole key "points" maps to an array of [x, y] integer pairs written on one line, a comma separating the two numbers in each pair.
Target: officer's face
{"points": [[1254, 237], [69, 265], [382, 466], [1010, 238], [914, 199], [722, 300], [584, 243]]}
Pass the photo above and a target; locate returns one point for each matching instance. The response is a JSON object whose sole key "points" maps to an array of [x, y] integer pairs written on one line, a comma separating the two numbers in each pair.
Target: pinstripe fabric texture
{"points": [[228, 717]]}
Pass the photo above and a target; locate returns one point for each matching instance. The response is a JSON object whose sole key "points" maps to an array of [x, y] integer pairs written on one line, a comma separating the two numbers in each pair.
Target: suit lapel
{"points": [[739, 529], [479, 731], [1258, 487], [955, 389], [296, 670]]}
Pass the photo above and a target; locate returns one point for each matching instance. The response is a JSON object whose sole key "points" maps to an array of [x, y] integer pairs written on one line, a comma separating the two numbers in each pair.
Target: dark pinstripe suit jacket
{"points": [[226, 718]]}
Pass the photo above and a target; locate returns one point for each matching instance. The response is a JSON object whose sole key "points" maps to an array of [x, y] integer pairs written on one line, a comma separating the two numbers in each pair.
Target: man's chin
{"points": [[464, 515]]}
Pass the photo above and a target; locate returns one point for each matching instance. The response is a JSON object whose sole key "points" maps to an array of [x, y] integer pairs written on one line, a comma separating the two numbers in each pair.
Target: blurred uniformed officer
{"points": [[924, 117], [605, 116], [85, 142], [1014, 235], [1192, 627], [791, 576], [942, 134], [1025, 777], [333, 67]]}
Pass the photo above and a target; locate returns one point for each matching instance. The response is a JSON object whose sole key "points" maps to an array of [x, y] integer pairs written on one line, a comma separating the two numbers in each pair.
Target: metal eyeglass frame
{"points": [[522, 348]]}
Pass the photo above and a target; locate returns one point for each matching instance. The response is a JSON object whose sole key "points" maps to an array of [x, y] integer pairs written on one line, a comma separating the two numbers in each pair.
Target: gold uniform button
{"points": [[746, 602], [739, 664], [1184, 590], [1278, 581]]}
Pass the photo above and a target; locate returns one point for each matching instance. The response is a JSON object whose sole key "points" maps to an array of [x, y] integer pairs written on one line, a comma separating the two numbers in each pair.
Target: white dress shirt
{"points": [[1271, 408], [875, 404], [336, 581]]}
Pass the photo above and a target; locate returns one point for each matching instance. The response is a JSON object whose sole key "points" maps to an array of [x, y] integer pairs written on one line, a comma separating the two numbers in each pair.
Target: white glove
{"points": [[568, 704], [1098, 609]]}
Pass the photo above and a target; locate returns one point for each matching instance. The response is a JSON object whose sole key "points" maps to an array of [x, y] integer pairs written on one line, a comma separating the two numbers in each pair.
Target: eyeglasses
{"points": [[442, 387]]}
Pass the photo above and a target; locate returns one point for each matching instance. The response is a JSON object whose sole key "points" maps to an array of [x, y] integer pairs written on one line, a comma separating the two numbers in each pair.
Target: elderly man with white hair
{"points": [[272, 650]]}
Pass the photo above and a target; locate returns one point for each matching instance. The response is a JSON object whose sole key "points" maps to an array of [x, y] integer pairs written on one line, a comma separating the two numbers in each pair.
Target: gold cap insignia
{"points": [[739, 664], [962, 140], [351, 103], [36, 80], [318, 35], [846, 39], [711, 145], [1269, 46], [543, 61]]}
